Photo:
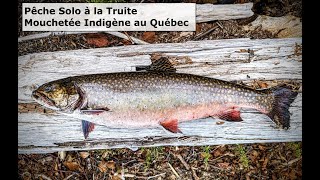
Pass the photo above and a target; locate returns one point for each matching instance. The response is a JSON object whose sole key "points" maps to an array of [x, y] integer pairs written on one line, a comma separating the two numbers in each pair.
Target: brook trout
{"points": [[143, 99]]}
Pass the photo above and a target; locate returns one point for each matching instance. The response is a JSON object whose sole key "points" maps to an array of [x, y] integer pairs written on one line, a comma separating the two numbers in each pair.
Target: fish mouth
{"points": [[43, 99]]}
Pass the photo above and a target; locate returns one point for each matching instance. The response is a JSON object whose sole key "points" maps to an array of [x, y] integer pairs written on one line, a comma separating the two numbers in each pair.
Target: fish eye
{"points": [[48, 88]]}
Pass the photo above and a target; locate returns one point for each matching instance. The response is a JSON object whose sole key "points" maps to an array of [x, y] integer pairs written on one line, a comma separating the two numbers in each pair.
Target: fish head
{"points": [[60, 95]]}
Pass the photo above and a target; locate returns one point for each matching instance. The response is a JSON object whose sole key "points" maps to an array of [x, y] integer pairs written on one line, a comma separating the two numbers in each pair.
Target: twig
{"points": [[83, 45], [221, 169], [220, 25], [69, 176], [174, 171], [122, 172], [205, 33], [194, 174], [183, 161], [126, 163], [150, 177], [47, 34], [292, 161], [129, 37], [42, 176], [129, 175], [227, 154], [186, 165]]}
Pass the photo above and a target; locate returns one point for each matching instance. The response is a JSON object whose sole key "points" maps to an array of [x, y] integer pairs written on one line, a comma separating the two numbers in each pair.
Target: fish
{"points": [[158, 98]]}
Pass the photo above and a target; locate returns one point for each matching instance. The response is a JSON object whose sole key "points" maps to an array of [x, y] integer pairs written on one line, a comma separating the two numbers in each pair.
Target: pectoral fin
{"points": [[171, 125], [232, 114], [87, 127]]}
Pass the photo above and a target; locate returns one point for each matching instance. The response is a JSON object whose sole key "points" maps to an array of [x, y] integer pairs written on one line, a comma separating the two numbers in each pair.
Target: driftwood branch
{"points": [[47, 34], [212, 12], [267, 59]]}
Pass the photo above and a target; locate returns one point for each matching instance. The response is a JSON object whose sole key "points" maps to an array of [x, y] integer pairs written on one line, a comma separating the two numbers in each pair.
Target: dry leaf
{"points": [[254, 155], [73, 166], [262, 148], [69, 158], [126, 42], [84, 154], [198, 28], [292, 175], [98, 40], [149, 37], [186, 34], [223, 165], [265, 162], [116, 177], [102, 166], [56, 167], [111, 165], [217, 153]]}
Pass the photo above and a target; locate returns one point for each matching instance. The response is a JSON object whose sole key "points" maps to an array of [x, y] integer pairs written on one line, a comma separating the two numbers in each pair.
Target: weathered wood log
{"points": [[211, 12], [268, 59]]}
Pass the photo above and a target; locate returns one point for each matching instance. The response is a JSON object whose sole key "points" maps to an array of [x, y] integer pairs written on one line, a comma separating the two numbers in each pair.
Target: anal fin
{"points": [[232, 114], [171, 125], [87, 127]]}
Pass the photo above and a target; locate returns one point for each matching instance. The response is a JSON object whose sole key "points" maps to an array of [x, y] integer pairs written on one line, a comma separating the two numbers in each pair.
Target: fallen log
{"points": [[232, 60], [212, 12]]}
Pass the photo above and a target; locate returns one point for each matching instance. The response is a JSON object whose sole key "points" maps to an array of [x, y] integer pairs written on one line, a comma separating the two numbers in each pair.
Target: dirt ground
{"points": [[246, 161]]}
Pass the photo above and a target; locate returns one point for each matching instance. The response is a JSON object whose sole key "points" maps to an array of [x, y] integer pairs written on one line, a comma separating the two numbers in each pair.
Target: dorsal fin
{"points": [[161, 64], [158, 63]]}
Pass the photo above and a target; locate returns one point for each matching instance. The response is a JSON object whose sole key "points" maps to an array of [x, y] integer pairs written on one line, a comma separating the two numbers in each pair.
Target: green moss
{"points": [[296, 148], [152, 155], [206, 155], [241, 151]]}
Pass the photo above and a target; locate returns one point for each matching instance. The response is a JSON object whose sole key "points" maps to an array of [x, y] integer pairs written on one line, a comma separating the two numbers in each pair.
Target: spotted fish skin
{"points": [[159, 91], [141, 99]]}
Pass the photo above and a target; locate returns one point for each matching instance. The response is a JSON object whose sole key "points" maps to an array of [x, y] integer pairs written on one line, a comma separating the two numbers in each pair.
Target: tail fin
{"points": [[283, 97]]}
